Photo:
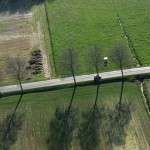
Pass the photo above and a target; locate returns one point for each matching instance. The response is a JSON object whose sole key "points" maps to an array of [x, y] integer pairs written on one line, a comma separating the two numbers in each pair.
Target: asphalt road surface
{"points": [[68, 80]]}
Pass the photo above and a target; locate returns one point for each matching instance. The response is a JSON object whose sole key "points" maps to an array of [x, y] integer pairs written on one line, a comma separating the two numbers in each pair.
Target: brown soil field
{"points": [[20, 34]]}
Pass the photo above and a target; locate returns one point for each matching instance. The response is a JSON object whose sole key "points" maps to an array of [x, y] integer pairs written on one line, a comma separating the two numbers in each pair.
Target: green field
{"points": [[39, 109], [135, 19], [82, 24]]}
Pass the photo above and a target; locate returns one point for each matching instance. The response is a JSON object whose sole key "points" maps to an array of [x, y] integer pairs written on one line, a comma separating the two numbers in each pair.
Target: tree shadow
{"points": [[121, 93], [50, 34], [89, 130], [10, 126], [9, 131], [118, 123], [61, 127], [13, 6]]}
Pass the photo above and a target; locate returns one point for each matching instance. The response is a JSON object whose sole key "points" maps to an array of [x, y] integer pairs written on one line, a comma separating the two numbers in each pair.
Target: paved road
{"points": [[82, 78]]}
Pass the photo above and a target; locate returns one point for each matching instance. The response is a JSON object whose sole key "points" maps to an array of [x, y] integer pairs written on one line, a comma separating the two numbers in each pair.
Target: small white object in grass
{"points": [[105, 58]]}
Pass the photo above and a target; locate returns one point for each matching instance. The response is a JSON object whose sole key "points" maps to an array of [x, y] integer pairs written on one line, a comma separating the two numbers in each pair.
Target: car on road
{"points": [[97, 78]]}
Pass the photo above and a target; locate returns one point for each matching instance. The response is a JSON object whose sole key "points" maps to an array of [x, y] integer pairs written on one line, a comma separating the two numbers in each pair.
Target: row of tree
{"points": [[69, 61], [65, 123]]}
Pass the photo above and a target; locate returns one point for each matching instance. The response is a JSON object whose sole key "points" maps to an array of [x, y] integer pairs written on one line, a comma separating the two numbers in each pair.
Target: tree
{"points": [[69, 62], [1, 78], [120, 55], [94, 56], [16, 66]]}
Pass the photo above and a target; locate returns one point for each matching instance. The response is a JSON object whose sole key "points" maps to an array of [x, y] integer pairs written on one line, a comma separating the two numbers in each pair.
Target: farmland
{"points": [[76, 24], [20, 33], [39, 109], [26, 26], [135, 19], [81, 24]]}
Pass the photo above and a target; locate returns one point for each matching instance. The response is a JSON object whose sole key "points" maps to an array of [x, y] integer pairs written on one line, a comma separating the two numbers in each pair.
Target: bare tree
{"points": [[94, 57], [1, 78], [120, 55], [16, 67], [69, 62]]}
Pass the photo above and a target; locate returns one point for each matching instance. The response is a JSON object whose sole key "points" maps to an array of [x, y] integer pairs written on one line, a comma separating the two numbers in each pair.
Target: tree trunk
{"points": [[72, 72], [20, 85], [121, 71], [74, 79]]}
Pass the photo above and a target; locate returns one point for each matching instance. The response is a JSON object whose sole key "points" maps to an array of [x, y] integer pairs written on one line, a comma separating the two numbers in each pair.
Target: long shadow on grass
{"points": [[62, 126], [14, 6], [89, 130], [10, 126], [119, 120], [9, 131]]}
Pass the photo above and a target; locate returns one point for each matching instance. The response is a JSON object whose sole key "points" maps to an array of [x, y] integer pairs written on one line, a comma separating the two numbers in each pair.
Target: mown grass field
{"points": [[82, 24], [39, 109], [135, 19]]}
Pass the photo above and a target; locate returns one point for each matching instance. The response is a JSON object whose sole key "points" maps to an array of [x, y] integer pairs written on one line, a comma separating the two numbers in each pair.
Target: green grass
{"points": [[39, 108], [82, 24], [2, 27], [135, 18]]}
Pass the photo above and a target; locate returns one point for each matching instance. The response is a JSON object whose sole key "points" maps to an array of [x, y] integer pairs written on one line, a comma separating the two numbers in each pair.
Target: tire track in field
{"points": [[127, 37], [137, 130], [50, 36]]}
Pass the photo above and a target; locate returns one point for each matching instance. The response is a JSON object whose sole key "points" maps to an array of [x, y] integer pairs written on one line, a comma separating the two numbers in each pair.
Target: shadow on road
{"points": [[61, 127]]}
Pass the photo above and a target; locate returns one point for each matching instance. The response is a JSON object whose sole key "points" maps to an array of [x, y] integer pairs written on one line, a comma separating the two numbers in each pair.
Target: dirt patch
{"points": [[15, 36], [46, 65], [20, 34]]}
